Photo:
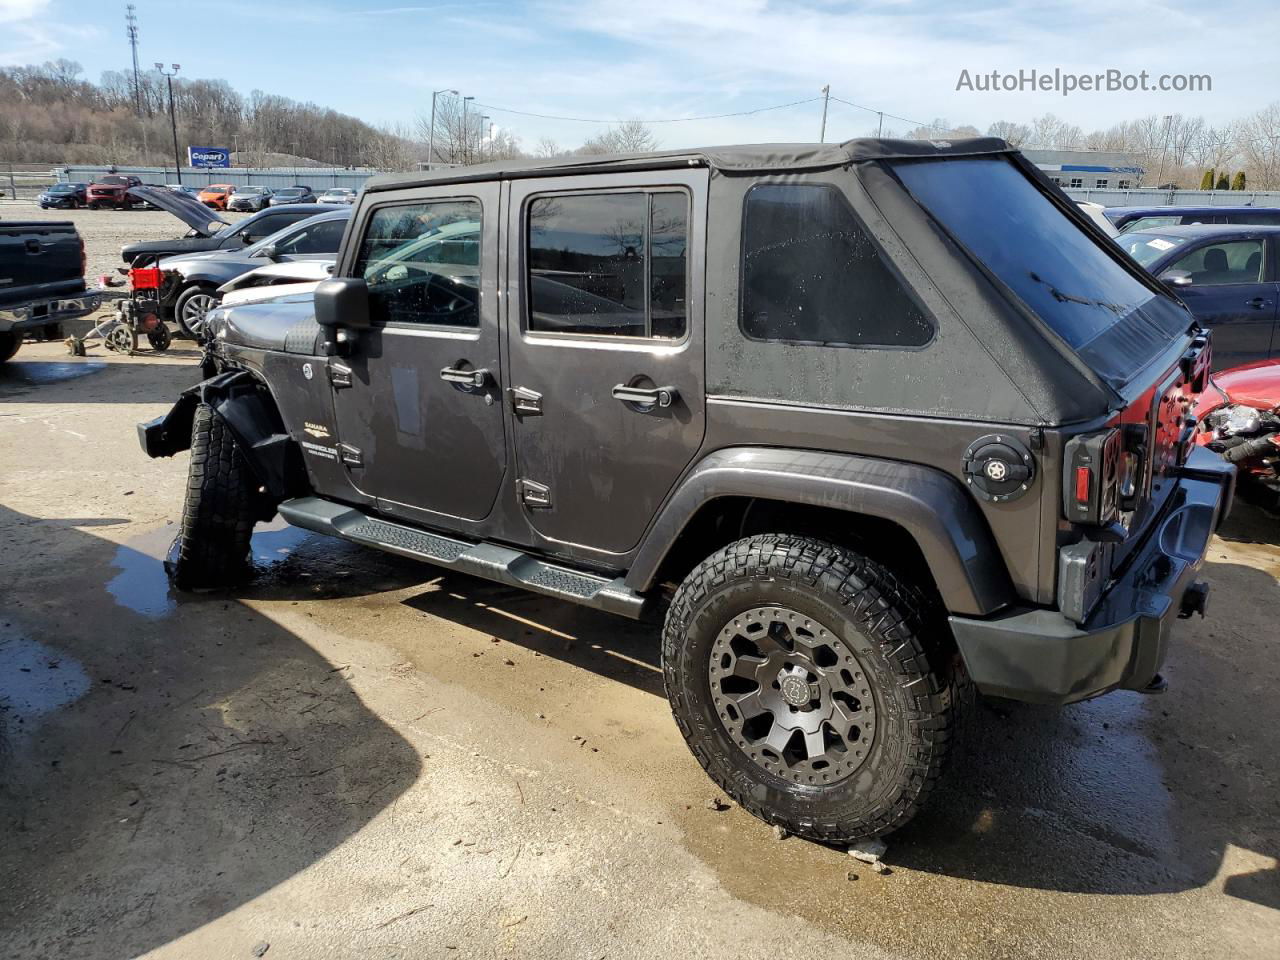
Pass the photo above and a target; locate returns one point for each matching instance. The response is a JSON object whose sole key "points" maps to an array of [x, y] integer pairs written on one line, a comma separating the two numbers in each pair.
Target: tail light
{"points": [[145, 278], [1094, 466], [84, 260]]}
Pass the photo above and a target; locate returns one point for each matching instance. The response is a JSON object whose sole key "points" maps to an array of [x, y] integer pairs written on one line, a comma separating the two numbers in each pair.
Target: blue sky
{"points": [[679, 58]]}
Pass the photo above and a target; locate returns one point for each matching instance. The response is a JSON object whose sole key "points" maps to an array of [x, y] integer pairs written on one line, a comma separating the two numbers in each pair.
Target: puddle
{"points": [[35, 679], [142, 585], [50, 371]]}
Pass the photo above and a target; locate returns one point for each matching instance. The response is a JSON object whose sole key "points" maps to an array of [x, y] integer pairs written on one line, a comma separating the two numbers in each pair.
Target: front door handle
{"points": [[467, 378], [646, 396], [1258, 303], [339, 375]]}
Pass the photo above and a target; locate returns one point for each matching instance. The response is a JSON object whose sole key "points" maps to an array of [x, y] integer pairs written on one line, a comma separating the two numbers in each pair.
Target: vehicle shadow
{"points": [[162, 766], [1253, 519], [58, 378], [609, 646]]}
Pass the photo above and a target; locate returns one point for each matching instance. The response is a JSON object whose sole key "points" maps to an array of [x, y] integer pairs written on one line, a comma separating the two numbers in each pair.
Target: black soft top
{"points": [[744, 158]]}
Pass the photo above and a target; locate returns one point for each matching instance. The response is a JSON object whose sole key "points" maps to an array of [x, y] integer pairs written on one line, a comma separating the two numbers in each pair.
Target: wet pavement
{"points": [[355, 755]]}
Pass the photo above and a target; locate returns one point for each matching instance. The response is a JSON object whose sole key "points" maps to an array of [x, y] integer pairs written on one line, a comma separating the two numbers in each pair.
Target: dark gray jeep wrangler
{"points": [[870, 424]]}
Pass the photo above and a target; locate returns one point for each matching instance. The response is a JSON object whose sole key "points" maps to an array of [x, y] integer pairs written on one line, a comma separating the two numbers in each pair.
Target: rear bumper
{"points": [[1041, 656], [40, 313]]}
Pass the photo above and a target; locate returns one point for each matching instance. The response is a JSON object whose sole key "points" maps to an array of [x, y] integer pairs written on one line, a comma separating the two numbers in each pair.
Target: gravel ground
{"points": [[357, 756]]}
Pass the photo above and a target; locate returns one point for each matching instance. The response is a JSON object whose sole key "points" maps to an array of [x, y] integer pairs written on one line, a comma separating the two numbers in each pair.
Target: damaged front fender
{"points": [[241, 401]]}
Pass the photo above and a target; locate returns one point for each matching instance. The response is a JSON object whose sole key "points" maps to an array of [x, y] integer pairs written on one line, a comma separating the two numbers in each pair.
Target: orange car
{"points": [[216, 195]]}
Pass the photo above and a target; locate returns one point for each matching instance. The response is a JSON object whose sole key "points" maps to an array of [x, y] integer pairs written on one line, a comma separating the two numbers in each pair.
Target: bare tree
{"points": [[1258, 143], [1015, 134], [547, 148], [630, 136]]}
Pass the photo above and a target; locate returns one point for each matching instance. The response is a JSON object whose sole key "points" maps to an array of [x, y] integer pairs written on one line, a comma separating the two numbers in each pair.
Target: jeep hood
{"points": [[183, 206]]}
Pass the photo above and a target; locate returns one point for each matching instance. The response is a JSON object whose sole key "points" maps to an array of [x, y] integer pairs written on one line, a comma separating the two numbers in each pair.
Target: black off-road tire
{"points": [[9, 344], [222, 504], [915, 683]]}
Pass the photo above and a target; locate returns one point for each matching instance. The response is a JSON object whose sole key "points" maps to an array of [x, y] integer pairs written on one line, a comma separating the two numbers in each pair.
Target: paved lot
{"points": [[358, 756]]}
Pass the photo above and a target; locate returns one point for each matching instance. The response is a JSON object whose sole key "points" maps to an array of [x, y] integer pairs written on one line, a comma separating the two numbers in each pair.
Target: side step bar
{"points": [[487, 560]]}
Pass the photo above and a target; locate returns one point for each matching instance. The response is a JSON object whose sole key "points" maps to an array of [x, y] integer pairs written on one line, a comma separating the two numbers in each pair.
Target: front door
{"points": [[605, 342], [1231, 293], [416, 401]]}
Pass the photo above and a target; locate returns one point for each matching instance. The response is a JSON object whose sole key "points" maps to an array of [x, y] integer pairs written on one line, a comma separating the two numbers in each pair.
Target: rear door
{"points": [[605, 350], [1233, 293], [418, 420]]}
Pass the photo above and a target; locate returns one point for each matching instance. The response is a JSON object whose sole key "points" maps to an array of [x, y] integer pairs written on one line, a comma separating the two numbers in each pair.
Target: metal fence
{"points": [[1150, 197], [274, 177]]}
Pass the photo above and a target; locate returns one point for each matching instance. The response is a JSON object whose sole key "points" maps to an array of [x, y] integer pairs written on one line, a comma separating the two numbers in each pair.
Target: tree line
{"points": [[1171, 148], [50, 113]]}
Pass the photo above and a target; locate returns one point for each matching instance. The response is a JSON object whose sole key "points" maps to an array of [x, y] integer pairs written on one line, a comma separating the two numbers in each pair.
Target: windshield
{"points": [[63, 188], [216, 188], [290, 192], [1147, 248], [253, 190], [1108, 315], [115, 181]]}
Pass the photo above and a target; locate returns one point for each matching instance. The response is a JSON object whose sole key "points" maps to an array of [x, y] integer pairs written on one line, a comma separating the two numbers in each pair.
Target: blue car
{"points": [[1147, 218], [1226, 274], [68, 195]]}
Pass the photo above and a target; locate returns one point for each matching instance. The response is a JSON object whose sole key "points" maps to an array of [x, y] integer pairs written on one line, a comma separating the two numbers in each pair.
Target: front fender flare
{"points": [[931, 506], [241, 402]]}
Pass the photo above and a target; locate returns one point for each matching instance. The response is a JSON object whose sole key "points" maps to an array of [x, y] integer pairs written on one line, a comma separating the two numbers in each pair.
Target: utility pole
{"points": [[173, 117], [431, 136], [1168, 122], [480, 138], [880, 128], [466, 132], [826, 98], [131, 31]]}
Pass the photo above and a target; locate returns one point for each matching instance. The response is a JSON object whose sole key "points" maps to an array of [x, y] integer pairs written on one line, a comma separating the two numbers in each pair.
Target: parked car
{"points": [[111, 191], [1097, 213], [1145, 218], [249, 198], [1239, 418], [183, 188], [208, 231], [868, 422], [216, 195], [1227, 275], [284, 278], [70, 196], [338, 195], [41, 281], [189, 282], [294, 195]]}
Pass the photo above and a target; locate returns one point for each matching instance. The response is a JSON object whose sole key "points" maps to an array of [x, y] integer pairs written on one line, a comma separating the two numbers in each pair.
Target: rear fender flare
{"points": [[931, 506]]}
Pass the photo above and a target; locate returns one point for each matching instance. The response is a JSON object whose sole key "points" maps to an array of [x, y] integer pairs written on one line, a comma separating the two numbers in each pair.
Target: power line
{"points": [[712, 116], [894, 116]]}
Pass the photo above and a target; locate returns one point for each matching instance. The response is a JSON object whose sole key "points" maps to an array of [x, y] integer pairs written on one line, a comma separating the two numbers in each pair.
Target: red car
{"points": [[110, 191], [1239, 417]]}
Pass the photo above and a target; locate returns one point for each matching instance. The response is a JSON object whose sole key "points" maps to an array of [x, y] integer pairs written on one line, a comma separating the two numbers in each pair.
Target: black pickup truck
{"points": [[41, 279]]}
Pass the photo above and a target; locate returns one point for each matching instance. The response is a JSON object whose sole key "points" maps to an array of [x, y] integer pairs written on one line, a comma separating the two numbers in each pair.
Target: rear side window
{"points": [[609, 264], [422, 263], [811, 274]]}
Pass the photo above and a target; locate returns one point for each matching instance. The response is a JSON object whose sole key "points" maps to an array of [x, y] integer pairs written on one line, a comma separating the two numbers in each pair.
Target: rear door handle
{"points": [[646, 396], [467, 378]]}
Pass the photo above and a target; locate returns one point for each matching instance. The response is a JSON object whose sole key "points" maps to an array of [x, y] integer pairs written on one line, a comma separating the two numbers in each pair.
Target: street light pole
{"points": [[826, 98], [1168, 121], [431, 136], [173, 118], [484, 118], [466, 132]]}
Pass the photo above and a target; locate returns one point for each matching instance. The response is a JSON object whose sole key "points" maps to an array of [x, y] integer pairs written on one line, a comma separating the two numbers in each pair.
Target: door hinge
{"points": [[351, 456], [339, 374], [524, 400], [534, 494]]}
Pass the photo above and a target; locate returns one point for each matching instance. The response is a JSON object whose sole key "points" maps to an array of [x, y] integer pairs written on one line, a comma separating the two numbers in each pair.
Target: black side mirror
{"points": [[1177, 278], [342, 302]]}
